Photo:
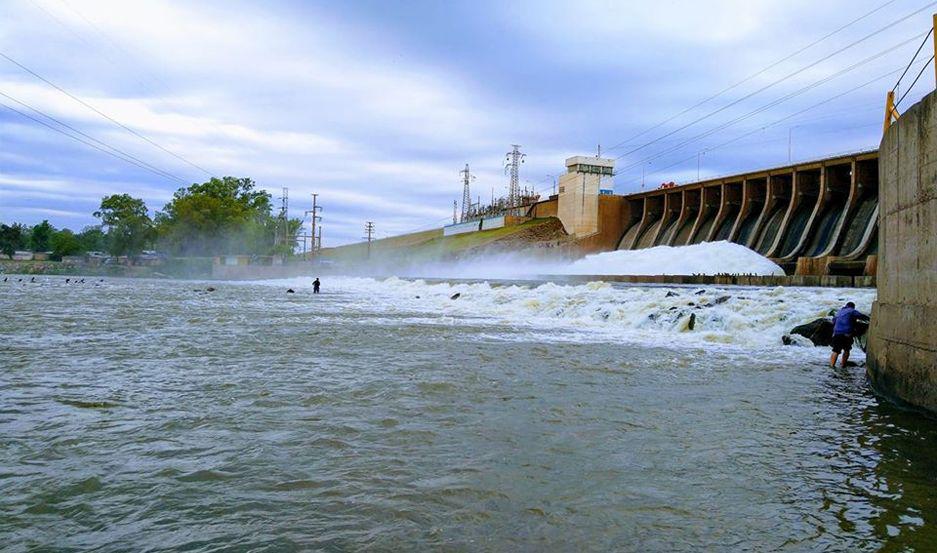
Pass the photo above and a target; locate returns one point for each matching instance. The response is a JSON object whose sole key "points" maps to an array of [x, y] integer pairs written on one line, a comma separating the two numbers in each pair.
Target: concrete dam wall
{"points": [[902, 360], [818, 217]]}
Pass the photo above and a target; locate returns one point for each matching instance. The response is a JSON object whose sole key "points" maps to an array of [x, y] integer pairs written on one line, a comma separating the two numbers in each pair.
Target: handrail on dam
{"points": [[812, 217]]}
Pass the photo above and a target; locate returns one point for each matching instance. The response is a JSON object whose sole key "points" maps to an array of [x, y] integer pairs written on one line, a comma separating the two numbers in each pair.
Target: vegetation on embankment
{"points": [[433, 246], [192, 267]]}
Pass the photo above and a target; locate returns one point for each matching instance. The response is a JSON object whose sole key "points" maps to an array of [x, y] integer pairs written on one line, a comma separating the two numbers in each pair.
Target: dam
{"points": [[817, 217]]}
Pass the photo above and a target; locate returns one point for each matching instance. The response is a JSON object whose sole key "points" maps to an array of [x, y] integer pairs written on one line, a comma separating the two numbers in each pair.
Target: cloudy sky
{"points": [[377, 105]]}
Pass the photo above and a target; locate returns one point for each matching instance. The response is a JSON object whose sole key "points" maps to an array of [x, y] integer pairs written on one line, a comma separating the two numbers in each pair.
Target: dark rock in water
{"points": [[787, 340], [818, 331], [290, 291], [722, 299], [455, 296], [700, 292], [692, 323], [67, 280], [210, 289], [691, 304], [672, 308], [670, 294], [417, 297]]}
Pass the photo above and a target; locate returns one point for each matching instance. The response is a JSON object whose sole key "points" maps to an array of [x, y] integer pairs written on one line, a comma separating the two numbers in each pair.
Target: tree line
{"points": [[222, 216]]}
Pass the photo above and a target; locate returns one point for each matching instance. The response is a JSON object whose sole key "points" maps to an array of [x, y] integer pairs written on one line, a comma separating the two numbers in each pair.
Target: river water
{"points": [[144, 415]]}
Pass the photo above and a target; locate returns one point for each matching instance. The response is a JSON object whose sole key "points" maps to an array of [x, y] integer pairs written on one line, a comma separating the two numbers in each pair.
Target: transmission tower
{"points": [[467, 177], [369, 229], [512, 161], [455, 211]]}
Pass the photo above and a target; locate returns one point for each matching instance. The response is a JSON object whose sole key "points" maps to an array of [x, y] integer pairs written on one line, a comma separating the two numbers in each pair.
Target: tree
{"points": [[12, 237], [221, 216], [92, 239], [40, 239], [128, 224], [65, 242]]}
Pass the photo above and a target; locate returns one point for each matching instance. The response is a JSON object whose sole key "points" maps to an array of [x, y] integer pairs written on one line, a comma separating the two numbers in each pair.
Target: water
{"points": [[147, 416]]}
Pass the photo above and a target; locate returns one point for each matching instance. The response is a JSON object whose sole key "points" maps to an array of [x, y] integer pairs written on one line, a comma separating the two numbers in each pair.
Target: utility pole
{"points": [[318, 240], [467, 177], [513, 159], [315, 219], [455, 211], [369, 228], [282, 219]]}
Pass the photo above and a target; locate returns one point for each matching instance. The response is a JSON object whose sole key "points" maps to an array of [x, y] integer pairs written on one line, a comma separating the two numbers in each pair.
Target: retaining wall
{"points": [[902, 361]]}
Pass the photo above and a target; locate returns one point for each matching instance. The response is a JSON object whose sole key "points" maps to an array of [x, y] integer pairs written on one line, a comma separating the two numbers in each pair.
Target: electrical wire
{"points": [[91, 144], [778, 81], [102, 114], [914, 82], [774, 103], [914, 57], [139, 161], [753, 75]]}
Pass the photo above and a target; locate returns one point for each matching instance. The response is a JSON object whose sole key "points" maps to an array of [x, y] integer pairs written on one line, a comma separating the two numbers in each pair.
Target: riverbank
{"points": [[195, 268]]}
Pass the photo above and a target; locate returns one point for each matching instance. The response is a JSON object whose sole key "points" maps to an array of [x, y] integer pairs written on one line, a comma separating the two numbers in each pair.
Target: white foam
{"points": [[708, 258], [750, 318]]}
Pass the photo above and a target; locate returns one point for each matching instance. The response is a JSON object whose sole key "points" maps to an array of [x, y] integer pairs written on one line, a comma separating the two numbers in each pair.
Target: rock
{"points": [[700, 292], [818, 331], [210, 289], [455, 296], [722, 299], [670, 294], [691, 324], [417, 297], [290, 291], [787, 340]]}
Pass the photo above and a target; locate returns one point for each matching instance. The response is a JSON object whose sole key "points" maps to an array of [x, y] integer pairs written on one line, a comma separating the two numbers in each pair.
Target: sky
{"points": [[377, 106]]}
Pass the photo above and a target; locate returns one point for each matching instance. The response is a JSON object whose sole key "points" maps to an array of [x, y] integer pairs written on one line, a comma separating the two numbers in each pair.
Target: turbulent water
{"points": [[384, 415]]}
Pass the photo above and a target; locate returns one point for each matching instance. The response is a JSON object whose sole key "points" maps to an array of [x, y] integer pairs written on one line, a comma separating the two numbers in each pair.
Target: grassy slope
{"points": [[429, 244]]}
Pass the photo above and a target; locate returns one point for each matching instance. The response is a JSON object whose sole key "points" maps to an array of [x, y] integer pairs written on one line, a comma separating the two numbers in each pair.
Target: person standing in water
{"points": [[315, 286], [844, 330]]}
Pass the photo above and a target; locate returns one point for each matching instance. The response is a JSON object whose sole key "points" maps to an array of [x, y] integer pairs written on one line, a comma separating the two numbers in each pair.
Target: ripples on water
{"points": [[146, 416]]}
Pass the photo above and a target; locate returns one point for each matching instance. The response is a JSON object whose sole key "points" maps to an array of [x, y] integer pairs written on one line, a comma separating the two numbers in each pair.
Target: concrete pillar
{"points": [[902, 360]]}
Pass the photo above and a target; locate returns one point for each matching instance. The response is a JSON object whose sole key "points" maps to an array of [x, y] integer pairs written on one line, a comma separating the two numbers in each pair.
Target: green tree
{"points": [[92, 239], [65, 242], [12, 237], [221, 216], [40, 239], [128, 224]]}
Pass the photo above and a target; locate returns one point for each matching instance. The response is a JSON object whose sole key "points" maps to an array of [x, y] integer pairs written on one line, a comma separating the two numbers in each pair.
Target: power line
{"points": [[772, 104], [914, 57], [102, 114], [914, 82], [753, 75], [788, 117], [87, 143], [120, 153], [778, 81]]}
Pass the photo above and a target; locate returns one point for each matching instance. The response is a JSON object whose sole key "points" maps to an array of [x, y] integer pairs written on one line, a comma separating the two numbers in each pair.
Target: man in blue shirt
{"points": [[844, 330]]}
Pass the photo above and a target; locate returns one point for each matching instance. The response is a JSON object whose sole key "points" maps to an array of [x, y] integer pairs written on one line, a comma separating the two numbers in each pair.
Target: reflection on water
{"points": [[139, 415]]}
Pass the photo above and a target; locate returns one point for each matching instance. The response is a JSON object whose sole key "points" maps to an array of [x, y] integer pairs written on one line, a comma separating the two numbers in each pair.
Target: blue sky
{"points": [[377, 105]]}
